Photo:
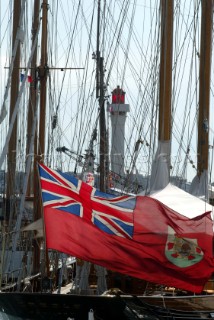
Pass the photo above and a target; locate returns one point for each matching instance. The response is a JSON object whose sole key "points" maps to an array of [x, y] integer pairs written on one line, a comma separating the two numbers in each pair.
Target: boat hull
{"points": [[185, 303], [15, 306]]}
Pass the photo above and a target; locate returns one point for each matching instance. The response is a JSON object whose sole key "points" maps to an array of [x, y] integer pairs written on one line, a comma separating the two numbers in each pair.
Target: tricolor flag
{"points": [[29, 78], [133, 235]]}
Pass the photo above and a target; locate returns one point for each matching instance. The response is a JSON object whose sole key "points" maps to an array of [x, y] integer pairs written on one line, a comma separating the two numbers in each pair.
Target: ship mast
{"points": [[41, 74], [12, 149], [101, 96], [11, 154], [161, 165], [33, 92], [204, 89], [166, 70]]}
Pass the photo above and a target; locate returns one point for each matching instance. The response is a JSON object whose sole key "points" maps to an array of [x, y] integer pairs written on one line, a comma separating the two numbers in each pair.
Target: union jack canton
{"points": [[109, 213]]}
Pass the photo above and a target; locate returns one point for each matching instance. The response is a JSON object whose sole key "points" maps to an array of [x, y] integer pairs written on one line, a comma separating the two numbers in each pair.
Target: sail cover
{"points": [[160, 166], [135, 235]]}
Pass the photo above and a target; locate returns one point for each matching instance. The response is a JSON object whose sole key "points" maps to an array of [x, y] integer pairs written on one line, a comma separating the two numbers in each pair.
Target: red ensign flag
{"points": [[134, 235]]}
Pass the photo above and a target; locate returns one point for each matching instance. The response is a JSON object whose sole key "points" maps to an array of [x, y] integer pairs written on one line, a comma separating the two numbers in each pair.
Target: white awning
{"points": [[181, 201]]}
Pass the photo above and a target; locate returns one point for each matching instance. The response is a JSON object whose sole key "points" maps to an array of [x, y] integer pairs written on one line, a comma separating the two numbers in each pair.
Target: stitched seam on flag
{"points": [[110, 217], [122, 198], [115, 198], [96, 215], [107, 202], [110, 202], [104, 219], [69, 205], [52, 202], [100, 193]]}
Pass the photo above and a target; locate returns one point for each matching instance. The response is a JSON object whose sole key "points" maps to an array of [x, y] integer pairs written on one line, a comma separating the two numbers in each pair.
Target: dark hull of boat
{"points": [[59, 306], [184, 303], [14, 306]]}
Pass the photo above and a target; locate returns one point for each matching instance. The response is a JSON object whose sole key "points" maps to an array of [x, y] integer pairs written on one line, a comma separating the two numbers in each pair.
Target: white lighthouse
{"points": [[118, 110]]}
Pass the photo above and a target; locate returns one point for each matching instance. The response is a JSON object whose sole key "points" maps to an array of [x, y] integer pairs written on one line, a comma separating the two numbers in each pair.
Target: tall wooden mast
{"points": [[160, 173], [166, 70], [33, 91], [15, 80], [101, 96], [204, 89], [42, 72]]}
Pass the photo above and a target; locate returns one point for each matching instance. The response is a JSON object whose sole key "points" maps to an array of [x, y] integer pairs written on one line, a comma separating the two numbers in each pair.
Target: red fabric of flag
{"points": [[137, 236]]}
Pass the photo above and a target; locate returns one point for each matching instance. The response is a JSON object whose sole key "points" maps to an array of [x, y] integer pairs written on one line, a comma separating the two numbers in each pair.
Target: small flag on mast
{"points": [[29, 78]]}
